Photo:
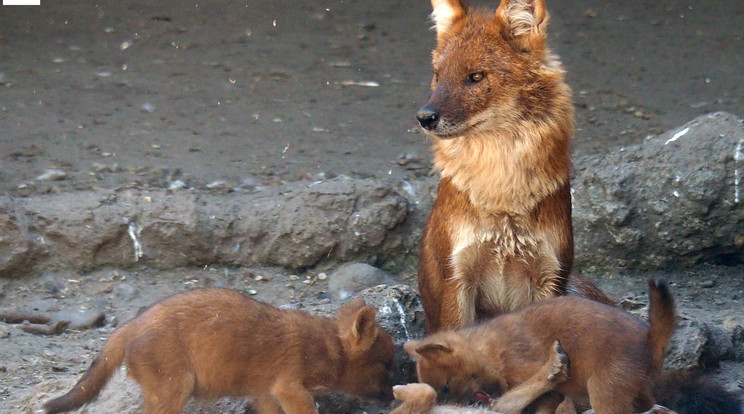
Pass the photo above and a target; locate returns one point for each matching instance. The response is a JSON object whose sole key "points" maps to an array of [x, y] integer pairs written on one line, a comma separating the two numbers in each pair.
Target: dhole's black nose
{"points": [[428, 118]]}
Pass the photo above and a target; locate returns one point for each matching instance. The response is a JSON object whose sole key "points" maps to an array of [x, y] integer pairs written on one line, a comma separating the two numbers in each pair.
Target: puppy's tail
{"points": [[688, 393], [98, 374], [662, 317]]}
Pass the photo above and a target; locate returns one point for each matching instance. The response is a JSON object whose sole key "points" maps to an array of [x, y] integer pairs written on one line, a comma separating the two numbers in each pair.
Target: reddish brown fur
{"points": [[614, 356], [499, 236], [209, 343]]}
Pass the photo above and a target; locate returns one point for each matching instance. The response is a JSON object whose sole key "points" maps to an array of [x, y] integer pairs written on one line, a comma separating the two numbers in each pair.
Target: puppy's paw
{"points": [[558, 364]]}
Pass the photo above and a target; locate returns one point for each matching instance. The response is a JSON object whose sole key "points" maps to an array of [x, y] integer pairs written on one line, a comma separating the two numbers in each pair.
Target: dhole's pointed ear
{"points": [[353, 305], [419, 349], [524, 22], [445, 12], [410, 348], [364, 326]]}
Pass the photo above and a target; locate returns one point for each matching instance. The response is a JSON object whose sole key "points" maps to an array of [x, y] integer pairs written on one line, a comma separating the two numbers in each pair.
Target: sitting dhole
{"points": [[210, 343]]}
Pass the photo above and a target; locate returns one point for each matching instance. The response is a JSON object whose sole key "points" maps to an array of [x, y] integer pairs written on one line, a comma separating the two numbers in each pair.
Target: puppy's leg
{"points": [[166, 396], [566, 407], [293, 397], [549, 402], [610, 399], [554, 372], [267, 404]]}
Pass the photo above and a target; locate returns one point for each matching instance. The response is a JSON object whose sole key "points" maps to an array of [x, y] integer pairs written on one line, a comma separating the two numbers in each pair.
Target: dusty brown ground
{"points": [[242, 94]]}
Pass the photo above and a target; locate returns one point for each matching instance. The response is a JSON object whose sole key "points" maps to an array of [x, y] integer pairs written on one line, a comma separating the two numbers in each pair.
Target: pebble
{"points": [[125, 291], [81, 319], [176, 185], [352, 278], [707, 283], [4, 331], [52, 175]]}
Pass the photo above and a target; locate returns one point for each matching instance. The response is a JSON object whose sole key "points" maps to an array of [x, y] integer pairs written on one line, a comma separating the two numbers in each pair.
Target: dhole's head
{"points": [[449, 365], [370, 352], [491, 68]]}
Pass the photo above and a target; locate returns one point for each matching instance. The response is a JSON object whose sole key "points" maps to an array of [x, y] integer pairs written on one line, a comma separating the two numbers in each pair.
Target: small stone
{"points": [[125, 291], [352, 278], [81, 319], [52, 175], [707, 283], [4, 331]]}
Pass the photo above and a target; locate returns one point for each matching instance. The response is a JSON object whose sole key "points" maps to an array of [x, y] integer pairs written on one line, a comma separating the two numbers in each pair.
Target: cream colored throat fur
{"points": [[500, 264], [509, 174]]}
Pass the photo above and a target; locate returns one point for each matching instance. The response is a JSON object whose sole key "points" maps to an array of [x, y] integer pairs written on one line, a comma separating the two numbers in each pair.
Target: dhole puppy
{"points": [[614, 356], [209, 343], [499, 236], [420, 398]]}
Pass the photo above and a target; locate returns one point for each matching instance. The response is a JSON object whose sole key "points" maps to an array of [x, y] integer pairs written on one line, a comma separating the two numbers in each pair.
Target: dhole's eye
{"points": [[476, 77]]}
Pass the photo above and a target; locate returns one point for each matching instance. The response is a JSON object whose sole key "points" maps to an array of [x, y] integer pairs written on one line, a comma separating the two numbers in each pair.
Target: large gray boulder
{"points": [[673, 201], [295, 226]]}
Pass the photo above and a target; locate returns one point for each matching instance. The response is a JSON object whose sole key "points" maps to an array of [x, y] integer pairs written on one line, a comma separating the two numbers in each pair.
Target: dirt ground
{"points": [[239, 95]]}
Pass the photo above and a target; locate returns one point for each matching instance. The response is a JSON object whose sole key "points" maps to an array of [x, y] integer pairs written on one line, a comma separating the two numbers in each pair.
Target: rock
{"points": [[698, 345], [16, 247], [296, 226], [400, 313], [4, 331], [673, 201], [81, 319], [352, 278], [125, 291], [52, 175], [707, 283]]}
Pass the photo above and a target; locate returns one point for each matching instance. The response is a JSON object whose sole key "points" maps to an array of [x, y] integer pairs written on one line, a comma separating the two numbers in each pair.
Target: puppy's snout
{"points": [[428, 117]]}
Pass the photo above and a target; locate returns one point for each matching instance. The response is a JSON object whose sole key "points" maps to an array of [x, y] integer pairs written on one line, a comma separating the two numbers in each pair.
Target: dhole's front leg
{"points": [[293, 397], [554, 372], [267, 404]]}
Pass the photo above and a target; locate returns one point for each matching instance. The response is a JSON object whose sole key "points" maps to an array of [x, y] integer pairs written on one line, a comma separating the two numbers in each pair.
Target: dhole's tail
{"points": [[93, 381], [662, 317], [683, 392]]}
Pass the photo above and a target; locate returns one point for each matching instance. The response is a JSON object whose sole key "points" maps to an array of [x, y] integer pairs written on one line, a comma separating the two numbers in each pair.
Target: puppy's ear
{"points": [[423, 349], [446, 12], [364, 326], [524, 23], [410, 348], [434, 350], [352, 306]]}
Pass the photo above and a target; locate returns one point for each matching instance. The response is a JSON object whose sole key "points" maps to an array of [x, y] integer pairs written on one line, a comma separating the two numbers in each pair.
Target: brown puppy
{"points": [[209, 343], [501, 118], [615, 357], [420, 398]]}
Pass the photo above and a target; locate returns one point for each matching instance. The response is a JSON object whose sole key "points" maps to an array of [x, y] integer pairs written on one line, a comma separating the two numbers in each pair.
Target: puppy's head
{"points": [[447, 363], [370, 352], [489, 68]]}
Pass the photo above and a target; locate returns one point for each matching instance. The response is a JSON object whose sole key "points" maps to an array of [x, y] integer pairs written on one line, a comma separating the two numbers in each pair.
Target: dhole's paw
{"points": [[558, 363]]}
